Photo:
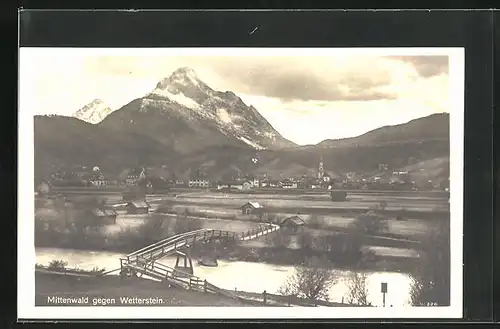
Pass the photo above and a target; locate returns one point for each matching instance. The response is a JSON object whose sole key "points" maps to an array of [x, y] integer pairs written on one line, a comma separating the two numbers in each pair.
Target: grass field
{"points": [[317, 197], [235, 203], [411, 227], [135, 221], [112, 288]]}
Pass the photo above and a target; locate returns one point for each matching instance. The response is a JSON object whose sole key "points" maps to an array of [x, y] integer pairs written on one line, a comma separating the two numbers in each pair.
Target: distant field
{"points": [[124, 221], [411, 227], [228, 201], [360, 197]]}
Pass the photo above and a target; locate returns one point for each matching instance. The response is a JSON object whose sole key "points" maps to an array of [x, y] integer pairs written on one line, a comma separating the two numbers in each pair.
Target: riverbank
{"points": [[61, 290], [294, 257], [267, 255]]}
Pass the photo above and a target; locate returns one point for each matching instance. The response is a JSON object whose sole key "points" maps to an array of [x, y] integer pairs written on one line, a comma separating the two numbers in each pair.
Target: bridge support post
{"points": [[187, 263]]}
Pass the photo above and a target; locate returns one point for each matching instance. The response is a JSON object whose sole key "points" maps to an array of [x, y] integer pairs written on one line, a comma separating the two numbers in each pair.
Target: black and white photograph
{"points": [[176, 182]]}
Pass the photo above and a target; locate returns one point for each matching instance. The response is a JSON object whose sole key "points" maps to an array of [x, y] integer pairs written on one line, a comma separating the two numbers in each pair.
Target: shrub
{"points": [[57, 265], [311, 280], [371, 223]]}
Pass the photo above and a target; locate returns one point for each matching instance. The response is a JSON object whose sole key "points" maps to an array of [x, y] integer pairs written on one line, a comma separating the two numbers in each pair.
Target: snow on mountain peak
{"points": [[94, 112], [186, 72], [183, 94], [182, 77]]}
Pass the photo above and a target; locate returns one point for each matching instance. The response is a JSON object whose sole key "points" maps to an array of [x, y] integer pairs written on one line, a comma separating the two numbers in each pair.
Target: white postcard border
{"points": [[26, 250]]}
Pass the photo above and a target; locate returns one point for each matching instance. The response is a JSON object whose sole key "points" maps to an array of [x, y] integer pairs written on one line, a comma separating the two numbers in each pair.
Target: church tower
{"points": [[321, 171]]}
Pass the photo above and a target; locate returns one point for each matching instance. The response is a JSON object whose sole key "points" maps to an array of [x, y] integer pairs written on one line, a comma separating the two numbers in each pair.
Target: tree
{"points": [[313, 280], [357, 292], [370, 223], [279, 239], [431, 282]]}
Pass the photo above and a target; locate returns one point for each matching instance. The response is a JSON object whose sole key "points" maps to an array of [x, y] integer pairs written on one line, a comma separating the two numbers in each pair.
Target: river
{"points": [[244, 276]]}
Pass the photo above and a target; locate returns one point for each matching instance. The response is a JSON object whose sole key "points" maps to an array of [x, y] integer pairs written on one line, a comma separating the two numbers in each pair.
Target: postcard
{"points": [[173, 183]]}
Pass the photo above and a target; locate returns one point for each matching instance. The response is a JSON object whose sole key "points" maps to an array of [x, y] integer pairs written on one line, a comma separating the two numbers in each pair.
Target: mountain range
{"points": [[94, 112], [184, 124]]}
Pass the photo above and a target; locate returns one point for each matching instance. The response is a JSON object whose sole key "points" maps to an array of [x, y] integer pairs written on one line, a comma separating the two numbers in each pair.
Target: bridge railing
{"points": [[166, 241], [162, 248], [166, 246], [257, 232]]}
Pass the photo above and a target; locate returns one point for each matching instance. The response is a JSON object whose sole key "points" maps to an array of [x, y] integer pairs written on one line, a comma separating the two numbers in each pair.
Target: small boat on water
{"points": [[209, 262]]}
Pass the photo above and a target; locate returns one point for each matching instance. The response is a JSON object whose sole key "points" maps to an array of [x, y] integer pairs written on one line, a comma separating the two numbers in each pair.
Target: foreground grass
{"points": [[99, 289]]}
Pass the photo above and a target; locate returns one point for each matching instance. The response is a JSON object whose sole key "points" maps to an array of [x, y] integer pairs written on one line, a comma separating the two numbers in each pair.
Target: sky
{"points": [[308, 96]]}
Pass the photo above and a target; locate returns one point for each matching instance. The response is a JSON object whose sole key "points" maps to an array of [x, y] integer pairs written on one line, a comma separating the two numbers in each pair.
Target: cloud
{"points": [[338, 95], [427, 66], [290, 80]]}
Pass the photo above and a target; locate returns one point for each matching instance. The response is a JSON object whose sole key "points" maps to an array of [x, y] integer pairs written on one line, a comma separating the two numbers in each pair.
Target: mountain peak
{"points": [[94, 112], [96, 101], [185, 72], [182, 77]]}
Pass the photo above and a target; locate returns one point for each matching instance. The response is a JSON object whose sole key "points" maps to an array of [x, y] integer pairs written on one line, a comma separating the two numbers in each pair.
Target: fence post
{"points": [[189, 284], [264, 297], [205, 285]]}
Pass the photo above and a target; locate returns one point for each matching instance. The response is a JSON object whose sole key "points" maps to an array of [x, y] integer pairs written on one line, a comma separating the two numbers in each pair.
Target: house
{"points": [[293, 224], [287, 183], [134, 176], [104, 216], [247, 185], [43, 188], [270, 183], [199, 183], [131, 180], [98, 181], [326, 178], [235, 185], [179, 183], [251, 208], [137, 207]]}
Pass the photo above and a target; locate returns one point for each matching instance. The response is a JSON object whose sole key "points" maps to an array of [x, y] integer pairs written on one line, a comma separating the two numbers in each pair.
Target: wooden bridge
{"points": [[144, 262]]}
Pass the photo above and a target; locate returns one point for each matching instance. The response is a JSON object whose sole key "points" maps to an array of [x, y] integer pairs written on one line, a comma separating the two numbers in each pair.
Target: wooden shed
{"points": [[252, 208], [293, 223]]}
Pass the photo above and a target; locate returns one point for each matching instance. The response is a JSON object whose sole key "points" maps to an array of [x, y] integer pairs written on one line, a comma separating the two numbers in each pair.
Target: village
{"points": [[160, 179]]}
